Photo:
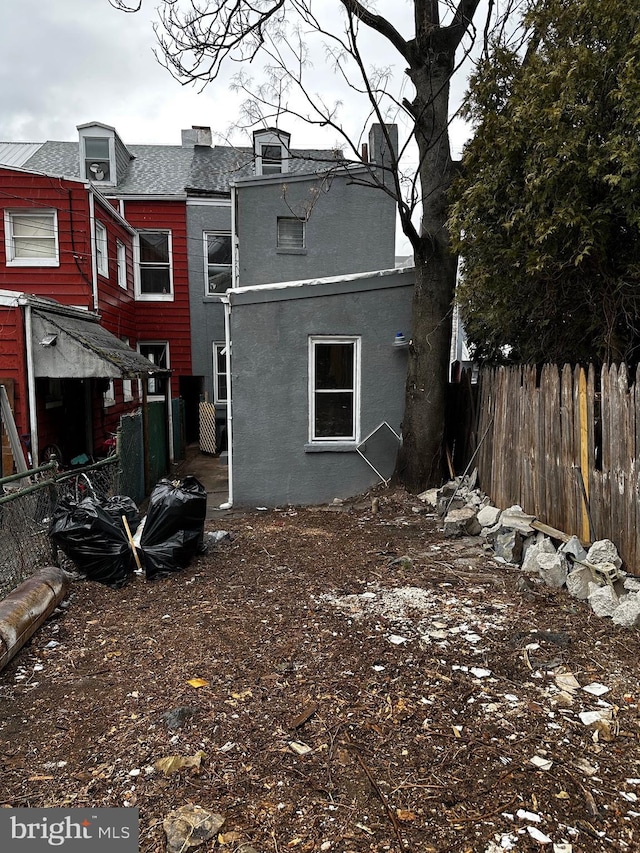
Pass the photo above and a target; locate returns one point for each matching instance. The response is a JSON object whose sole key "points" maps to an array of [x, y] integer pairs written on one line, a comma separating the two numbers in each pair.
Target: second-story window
{"points": [[290, 233], [154, 265], [101, 249], [31, 238], [217, 249], [121, 258]]}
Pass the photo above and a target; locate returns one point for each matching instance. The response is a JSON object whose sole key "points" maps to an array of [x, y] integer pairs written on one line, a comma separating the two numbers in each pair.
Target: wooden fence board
{"points": [[539, 435]]}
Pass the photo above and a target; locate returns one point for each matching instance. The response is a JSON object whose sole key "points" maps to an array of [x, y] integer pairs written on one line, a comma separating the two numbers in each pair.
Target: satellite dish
{"points": [[98, 171]]}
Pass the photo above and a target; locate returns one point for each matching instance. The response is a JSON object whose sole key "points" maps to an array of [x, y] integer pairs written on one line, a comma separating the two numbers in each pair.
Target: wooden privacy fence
{"points": [[564, 444]]}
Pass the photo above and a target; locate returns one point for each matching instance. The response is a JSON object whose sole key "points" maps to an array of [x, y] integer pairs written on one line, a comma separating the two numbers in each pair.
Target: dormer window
{"points": [[271, 159], [101, 149], [97, 160], [271, 150]]}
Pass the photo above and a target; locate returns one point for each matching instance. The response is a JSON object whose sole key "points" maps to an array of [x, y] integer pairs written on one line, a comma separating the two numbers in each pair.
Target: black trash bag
{"points": [[94, 540], [173, 532], [120, 505], [174, 505], [173, 555]]}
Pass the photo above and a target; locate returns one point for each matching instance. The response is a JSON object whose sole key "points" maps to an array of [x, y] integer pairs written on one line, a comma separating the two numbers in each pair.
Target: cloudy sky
{"points": [[67, 62]]}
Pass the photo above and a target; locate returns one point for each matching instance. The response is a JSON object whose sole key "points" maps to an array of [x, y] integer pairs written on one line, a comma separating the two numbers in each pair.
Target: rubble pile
{"points": [[595, 576]]}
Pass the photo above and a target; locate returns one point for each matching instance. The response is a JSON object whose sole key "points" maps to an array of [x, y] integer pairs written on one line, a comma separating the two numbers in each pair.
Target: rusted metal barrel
{"points": [[24, 610]]}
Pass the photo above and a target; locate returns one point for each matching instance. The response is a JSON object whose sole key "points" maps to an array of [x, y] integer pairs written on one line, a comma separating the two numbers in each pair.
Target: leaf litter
{"points": [[361, 684]]}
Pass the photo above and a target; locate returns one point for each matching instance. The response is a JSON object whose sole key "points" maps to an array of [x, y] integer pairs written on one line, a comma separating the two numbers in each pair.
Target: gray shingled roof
{"points": [[174, 169]]}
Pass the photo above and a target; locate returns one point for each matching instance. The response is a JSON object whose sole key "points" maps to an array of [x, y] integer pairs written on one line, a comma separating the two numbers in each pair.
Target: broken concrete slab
{"points": [[430, 497], [507, 545], [603, 551], [461, 522], [534, 550], [553, 569], [488, 516], [578, 582], [573, 548], [515, 518], [627, 613], [603, 600]]}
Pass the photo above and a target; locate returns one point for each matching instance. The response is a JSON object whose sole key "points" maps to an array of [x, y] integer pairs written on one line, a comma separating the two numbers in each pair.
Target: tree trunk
{"points": [[421, 457]]}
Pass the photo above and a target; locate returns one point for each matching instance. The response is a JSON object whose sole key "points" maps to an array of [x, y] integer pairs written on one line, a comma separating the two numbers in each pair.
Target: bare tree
{"points": [[197, 38]]}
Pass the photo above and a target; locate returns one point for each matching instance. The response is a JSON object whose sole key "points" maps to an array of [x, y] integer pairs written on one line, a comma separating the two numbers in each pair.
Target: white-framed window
{"points": [[97, 159], [291, 233], [31, 238], [217, 262], [157, 352], [109, 396], [220, 391], [334, 388], [154, 274], [271, 159], [121, 260], [102, 258]]}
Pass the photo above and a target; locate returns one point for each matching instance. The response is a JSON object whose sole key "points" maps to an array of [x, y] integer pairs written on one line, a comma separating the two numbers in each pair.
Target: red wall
{"points": [[167, 321]]}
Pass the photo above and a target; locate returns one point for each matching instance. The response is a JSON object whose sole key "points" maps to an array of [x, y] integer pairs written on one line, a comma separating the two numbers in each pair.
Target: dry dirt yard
{"points": [[339, 680]]}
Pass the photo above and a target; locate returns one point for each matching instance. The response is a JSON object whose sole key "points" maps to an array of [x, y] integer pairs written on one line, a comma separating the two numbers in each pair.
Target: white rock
{"points": [[535, 550], [603, 551], [429, 497], [627, 613], [488, 516], [602, 599], [553, 569], [578, 582]]}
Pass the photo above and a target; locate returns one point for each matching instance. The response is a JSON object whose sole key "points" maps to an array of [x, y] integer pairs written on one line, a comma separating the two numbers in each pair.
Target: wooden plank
{"points": [[583, 427], [553, 532], [567, 449]]}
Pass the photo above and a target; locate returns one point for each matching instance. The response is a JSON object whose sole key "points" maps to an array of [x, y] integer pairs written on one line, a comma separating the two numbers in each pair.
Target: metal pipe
{"points": [[227, 345]]}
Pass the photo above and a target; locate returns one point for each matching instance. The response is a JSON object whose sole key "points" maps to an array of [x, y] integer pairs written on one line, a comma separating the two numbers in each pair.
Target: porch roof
{"points": [[70, 346]]}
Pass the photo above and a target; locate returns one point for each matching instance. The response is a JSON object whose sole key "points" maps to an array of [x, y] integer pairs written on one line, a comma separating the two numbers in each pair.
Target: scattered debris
{"points": [[190, 826]]}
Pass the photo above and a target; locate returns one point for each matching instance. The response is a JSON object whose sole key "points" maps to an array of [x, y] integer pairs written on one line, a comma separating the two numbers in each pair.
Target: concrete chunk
{"points": [[574, 548], [536, 550], [553, 569], [627, 613], [461, 522], [578, 582], [603, 551], [602, 599], [488, 516], [516, 519]]}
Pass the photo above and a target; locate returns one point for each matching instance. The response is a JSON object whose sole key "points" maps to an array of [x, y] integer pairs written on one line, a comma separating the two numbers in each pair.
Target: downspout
{"points": [[94, 259], [227, 345], [234, 239], [31, 385]]}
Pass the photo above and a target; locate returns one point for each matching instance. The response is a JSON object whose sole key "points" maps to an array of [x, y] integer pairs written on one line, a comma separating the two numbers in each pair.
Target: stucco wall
{"points": [[272, 464], [207, 314], [349, 228]]}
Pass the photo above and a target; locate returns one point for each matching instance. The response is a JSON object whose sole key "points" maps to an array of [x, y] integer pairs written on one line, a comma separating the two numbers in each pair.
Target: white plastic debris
{"points": [[596, 689], [538, 836], [397, 640], [530, 816], [479, 672], [541, 763]]}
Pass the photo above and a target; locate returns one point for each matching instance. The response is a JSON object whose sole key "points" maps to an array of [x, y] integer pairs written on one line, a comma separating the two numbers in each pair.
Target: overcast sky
{"points": [[67, 62]]}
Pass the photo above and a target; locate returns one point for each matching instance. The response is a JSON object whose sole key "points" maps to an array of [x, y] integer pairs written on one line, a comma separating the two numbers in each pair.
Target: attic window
{"points": [[271, 159], [97, 159]]}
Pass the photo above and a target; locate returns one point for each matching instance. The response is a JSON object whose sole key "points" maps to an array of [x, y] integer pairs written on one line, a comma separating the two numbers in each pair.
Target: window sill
{"points": [[291, 251], [331, 447], [154, 297]]}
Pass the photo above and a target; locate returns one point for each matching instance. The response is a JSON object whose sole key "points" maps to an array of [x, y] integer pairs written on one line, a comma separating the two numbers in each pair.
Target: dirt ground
{"points": [[340, 680]]}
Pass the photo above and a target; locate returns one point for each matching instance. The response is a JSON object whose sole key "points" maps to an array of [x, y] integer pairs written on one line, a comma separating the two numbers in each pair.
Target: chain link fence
{"points": [[27, 504]]}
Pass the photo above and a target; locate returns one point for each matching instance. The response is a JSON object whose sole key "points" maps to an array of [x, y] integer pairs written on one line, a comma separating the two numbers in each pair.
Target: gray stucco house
{"points": [[317, 372]]}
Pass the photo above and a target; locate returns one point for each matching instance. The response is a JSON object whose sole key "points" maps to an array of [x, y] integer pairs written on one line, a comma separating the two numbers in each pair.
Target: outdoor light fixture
{"points": [[49, 340], [400, 341]]}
